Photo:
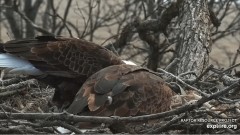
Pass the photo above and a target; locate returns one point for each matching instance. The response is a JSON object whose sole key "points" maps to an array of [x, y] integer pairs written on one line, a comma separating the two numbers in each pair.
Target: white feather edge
{"points": [[66, 131], [17, 65], [129, 62], [22, 66]]}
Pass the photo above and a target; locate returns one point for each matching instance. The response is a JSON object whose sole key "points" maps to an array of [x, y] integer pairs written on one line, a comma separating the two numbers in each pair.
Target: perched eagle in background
{"points": [[122, 90], [63, 63]]}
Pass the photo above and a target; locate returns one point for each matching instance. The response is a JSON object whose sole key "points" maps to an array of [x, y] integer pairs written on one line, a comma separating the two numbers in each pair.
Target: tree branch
{"points": [[35, 26], [115, 119]]}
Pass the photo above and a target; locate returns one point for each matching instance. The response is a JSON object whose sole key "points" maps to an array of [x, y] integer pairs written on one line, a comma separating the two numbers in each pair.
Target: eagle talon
{"points": [[109, 100]]}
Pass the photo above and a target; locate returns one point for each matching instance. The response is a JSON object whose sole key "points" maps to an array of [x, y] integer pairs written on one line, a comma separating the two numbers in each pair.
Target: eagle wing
{"points": [[59, 56], [122, 90], [64, 63]]}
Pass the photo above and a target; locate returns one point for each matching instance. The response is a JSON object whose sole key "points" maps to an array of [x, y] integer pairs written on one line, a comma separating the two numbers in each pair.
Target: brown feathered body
{"points": [[122, 90], [65, 63]]}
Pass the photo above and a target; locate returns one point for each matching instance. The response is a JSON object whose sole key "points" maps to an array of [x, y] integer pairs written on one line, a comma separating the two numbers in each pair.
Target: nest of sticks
{"points": [[209, 104]]}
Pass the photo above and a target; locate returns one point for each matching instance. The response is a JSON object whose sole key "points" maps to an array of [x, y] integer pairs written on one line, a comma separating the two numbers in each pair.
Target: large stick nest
{"points": [[208, 104]]}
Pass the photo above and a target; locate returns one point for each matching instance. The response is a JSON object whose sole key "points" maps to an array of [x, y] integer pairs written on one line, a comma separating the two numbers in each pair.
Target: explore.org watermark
{"points": [[230, 126], [214, 123]]}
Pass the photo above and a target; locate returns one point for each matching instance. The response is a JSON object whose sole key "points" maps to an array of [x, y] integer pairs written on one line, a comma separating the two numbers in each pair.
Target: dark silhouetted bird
{"points": [[122, 90], [63, 63]]}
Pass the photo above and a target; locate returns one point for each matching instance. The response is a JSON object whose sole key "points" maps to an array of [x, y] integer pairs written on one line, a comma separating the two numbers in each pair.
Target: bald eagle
{"points": [[122, 90], [64, 63]]}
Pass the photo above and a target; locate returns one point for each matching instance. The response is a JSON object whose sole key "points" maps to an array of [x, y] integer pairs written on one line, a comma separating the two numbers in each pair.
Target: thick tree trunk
{"points": [[13, 21], [31, 10], [194, 40]]}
